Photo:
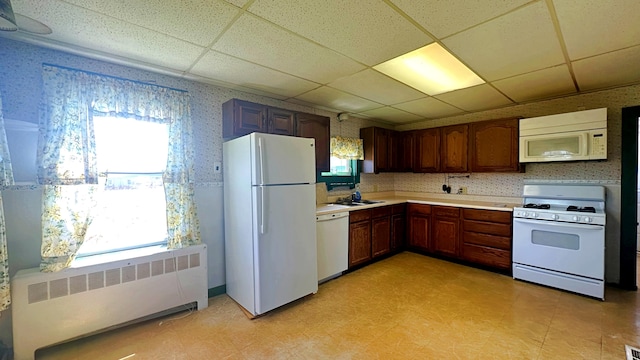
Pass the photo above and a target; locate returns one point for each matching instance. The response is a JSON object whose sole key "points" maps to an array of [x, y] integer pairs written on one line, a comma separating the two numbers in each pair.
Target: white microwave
{"points": [[573, 136]]}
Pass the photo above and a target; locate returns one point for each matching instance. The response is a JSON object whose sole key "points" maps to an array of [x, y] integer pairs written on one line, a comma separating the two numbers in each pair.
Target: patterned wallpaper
{"points": [[20, 84]]}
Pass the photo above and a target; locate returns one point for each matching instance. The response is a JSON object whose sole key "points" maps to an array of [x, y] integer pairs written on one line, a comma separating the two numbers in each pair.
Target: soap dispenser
{"points": [[356, 194]]}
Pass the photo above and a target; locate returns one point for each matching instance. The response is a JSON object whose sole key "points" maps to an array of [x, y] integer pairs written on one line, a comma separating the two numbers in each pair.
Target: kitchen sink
{"points": [[349, 202]]}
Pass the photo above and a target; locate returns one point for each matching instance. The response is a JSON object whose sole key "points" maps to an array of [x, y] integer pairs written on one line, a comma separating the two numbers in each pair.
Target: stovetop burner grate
{"points": [[586, 209], [537, 206]]}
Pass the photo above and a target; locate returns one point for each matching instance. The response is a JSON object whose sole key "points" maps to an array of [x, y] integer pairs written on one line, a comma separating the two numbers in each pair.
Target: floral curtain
{"points": [[6, 178], [67, 159], [347, 148]]}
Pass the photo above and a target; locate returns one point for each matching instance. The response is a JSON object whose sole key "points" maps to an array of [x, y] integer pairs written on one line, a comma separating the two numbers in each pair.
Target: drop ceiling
{"points": [[323, 53]]}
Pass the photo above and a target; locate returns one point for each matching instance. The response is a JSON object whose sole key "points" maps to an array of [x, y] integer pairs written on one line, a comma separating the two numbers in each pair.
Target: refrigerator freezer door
{"points": [[282, 159], [285, 250]]}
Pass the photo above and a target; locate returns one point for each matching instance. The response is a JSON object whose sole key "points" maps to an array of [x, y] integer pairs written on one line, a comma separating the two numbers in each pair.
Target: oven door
{"points": [[570, 248]]}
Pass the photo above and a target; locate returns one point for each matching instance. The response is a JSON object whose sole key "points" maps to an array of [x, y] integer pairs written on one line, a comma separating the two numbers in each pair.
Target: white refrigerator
{"points": [[269, 219]]}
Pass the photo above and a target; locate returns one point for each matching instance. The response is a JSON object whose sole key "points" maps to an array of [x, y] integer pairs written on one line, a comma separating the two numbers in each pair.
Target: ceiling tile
{"points": [[238, 3], [111, 36], [519, 42], [354, 28], [443, 18], [196, 21], [539, 84], [390, 114], [336, 99], [255, 40], [481, 97], [226, 68], [607, 70], [375, 86], [591, 27], [429, 107]]}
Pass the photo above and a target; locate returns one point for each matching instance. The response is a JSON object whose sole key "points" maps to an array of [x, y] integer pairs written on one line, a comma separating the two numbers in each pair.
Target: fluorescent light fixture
{"points": [[430, 69]]}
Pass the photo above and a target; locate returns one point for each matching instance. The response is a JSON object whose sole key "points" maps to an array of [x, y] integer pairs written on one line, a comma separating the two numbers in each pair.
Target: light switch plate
{"points": [[217, 167]]}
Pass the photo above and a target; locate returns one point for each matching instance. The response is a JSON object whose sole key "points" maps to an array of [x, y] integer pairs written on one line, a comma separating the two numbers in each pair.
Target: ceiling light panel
{"points": [[430, 69]]}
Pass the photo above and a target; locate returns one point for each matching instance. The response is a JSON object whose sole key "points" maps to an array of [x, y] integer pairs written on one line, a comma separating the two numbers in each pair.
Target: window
{"points": [[342, 173], [131, 208]]}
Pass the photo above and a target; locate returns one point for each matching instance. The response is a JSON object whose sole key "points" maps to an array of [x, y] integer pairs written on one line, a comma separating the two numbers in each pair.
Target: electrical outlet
{"points": [[462, 190], [217, 167]]}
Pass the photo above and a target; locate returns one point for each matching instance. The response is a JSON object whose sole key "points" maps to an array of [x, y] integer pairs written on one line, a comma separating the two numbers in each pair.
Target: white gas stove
{"points": [[558, 237]]}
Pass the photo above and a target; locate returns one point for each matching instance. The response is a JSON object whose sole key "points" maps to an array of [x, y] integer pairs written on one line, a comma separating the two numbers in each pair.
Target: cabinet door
{"points": [[317, 127], [243, 117], [398, 224], [281, 121], [454, 148], [380, 236], [493, 146], [446, 236], [406, 151], [381, 141], [359, 242], [393, 154], [419, 229], [427, 150]]}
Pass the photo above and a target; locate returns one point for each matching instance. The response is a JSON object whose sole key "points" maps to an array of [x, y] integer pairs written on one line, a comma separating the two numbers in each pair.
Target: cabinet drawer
{"points": [[446, 211], [359, 215], [398, 208], [381, 211], [487, 228], [418, 209], [499, 242], [487, 256], [487, 215]]}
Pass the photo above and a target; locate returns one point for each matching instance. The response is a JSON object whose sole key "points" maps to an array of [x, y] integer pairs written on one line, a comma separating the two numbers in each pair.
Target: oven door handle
{"points": [[559, 224]]}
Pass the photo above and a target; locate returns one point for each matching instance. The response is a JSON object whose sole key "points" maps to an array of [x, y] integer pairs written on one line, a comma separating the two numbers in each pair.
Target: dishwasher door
{"points": [[333, 245]]}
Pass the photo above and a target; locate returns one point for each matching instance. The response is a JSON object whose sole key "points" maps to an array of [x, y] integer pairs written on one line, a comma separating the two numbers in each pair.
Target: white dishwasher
{"points": [[333, 244]]}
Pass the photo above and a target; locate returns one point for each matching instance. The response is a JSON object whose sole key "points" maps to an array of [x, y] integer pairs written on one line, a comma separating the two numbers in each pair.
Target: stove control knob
{"points": [[534, 215], [575, 218], [588, 219], [554, 216]]}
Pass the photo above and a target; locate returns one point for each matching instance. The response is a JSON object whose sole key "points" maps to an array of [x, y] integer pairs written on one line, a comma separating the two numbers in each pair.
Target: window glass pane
{"points": [[131, 208]]}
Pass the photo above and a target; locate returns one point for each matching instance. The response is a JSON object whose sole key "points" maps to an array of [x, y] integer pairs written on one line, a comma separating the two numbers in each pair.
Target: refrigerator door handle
{"points": [[261, 161], [262, 207]]}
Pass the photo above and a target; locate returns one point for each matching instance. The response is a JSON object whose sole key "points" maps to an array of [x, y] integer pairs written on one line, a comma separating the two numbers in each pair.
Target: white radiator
{"points": [[49, 308]]}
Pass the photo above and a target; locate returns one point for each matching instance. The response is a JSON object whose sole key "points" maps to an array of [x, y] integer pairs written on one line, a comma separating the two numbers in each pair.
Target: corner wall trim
{"points": [[218, 290]]}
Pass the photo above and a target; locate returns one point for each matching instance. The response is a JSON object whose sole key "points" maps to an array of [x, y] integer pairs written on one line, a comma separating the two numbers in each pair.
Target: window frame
{"points": [[335, 181]]}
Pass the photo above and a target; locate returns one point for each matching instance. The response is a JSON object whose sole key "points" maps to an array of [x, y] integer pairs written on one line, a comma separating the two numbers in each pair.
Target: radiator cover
{"points": [[49, 308]]}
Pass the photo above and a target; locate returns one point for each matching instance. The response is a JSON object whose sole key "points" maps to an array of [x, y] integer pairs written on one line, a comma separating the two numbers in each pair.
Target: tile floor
{"points": [[405, 307]]}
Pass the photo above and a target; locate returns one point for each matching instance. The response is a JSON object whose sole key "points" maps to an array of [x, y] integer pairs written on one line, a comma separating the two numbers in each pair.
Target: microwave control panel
{"points": [[598, 144]]}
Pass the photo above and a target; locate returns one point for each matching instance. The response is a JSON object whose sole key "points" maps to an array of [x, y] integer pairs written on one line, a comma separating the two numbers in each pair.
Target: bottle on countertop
{"points": [[356, 195]]}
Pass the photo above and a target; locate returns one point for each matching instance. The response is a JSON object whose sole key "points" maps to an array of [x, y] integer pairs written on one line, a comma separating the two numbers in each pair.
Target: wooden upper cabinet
{"points": [[379, 150], [454, 148], [393, 151], [493, 146], [243, 117], [280, 121], [406, 150], [317, 127], [427, 150]]}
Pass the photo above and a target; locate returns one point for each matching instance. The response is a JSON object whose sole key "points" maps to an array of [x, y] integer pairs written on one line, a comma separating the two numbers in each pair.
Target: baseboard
{"points": [[218, 290]]}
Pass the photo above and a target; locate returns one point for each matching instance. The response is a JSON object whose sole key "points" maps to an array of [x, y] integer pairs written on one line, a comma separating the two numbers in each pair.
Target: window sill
{"points": [[117, 256]]}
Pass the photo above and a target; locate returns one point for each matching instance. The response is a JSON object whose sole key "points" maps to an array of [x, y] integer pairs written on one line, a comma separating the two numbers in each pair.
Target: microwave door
{"points": [[554, 147]]}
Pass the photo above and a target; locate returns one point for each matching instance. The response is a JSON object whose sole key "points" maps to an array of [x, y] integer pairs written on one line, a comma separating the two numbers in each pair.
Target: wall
{"points": [[20, 86]]}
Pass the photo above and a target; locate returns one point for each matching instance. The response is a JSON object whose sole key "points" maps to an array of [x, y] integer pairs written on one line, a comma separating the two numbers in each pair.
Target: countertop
{"points": [[323, 209]]}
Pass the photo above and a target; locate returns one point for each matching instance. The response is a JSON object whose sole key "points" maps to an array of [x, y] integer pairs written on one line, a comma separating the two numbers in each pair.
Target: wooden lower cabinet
{"points": [[487, 237], [380, 231], [359, 237], [446, 230], [398, 227], [418, 227]]}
